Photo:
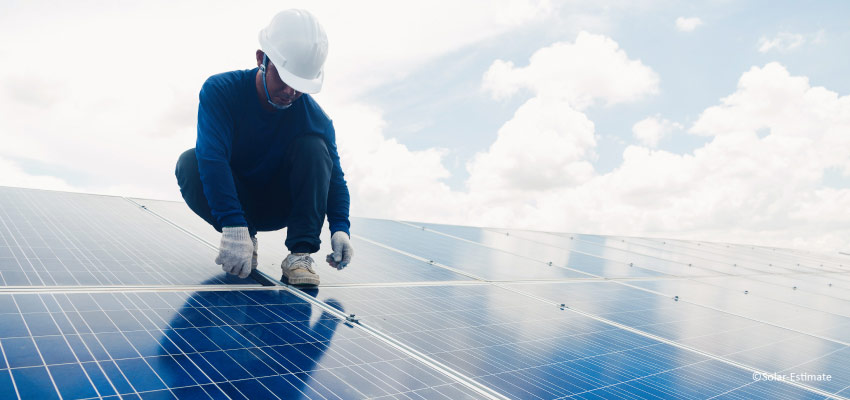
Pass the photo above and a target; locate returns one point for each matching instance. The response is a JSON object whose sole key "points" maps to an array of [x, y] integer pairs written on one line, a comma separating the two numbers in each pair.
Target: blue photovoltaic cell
{"points": [[480, 261], [748, 341], [208, 344], [55, 238], [371, 264], [529, 349]]}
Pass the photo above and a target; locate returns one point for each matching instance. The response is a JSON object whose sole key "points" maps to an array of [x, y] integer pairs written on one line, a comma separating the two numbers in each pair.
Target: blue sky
{"points": [[441, 104], [735, 129]]}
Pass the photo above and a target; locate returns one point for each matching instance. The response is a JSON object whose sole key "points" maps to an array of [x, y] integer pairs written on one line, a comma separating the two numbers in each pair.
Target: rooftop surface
{"points": [[113, 297]]}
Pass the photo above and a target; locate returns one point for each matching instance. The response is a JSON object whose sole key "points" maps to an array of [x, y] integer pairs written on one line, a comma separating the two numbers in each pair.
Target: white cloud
{"points": [[739, 187], [385, 178], [548, 144], [782, 42], [11, 174], [545, 145], [593, 68], [650, 130], [687, 24]]}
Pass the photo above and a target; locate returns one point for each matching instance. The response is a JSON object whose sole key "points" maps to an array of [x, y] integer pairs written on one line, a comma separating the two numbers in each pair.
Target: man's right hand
{"points": [[235, 251]]}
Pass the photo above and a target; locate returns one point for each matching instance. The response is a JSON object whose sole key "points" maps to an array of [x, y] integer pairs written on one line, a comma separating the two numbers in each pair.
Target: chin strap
{"points": [[268, 98]]}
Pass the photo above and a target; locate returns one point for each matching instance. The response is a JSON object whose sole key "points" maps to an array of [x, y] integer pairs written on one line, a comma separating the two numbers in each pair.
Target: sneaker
{"points": [[254, 262], [298, 270]]}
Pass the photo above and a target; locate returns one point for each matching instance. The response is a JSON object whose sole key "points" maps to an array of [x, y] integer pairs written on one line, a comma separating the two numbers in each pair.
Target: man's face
{"points": [[279, 92]]}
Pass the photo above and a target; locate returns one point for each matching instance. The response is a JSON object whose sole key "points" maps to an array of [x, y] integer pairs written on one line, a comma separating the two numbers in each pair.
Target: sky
{"points": [[724, 121]]}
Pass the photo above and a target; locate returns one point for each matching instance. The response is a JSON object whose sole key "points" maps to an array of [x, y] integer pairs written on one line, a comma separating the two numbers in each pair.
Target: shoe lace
{"points": [[302, 261]]}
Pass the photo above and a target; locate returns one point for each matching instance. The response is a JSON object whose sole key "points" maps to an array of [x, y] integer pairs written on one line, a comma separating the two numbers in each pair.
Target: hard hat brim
{"points": [[296, 82], [300, 84]]}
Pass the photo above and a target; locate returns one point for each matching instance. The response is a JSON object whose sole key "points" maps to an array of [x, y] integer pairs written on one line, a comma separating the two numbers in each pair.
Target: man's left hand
{"points": [[341, 245]]}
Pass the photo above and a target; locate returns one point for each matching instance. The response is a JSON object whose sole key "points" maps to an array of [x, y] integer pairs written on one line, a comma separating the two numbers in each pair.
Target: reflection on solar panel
{"points": [[237, 344], [54, 238], [109, 297]]}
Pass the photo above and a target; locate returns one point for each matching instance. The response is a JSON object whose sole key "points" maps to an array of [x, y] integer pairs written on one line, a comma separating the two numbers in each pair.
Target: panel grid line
{"points": [[37, 349], [13, 237], [110, 358], [9, 370], [170, 340], [65, 339], [91, 261]]}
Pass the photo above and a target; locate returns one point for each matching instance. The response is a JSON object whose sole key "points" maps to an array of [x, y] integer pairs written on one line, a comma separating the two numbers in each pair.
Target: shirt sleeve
{"points": [[213, 150], [339, 200]]}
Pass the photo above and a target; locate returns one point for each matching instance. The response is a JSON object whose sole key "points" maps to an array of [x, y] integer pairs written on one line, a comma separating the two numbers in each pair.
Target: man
{"points": [[266, 157]]}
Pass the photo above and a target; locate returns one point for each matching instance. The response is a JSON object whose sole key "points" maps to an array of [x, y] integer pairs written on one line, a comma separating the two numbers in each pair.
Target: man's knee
{"points": [[314, 146], [187, 167]]}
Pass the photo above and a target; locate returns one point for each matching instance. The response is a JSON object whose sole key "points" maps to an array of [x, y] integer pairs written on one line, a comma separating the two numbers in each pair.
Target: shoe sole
{"points": [[305, 281]]}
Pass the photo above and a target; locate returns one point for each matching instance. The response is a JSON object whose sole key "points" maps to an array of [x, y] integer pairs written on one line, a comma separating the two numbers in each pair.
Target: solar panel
{"points": [[752, 257], [463, 256], [526, 348], [108, 297], [584, 247], [733, 337], [210, 344], [808, 283], [712, 263], [69, 239], [780, 313], [566, 256], [783, 294]]}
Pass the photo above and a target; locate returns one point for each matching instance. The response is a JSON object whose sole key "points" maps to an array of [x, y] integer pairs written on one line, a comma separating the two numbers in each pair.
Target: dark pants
{"points": [[296, 198]]}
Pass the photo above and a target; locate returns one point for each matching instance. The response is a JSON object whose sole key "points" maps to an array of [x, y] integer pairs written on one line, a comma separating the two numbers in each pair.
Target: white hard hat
{"points": [[297, 45]]}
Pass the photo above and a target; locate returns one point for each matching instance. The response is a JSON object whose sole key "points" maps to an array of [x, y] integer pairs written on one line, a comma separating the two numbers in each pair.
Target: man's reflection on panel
{"points": [[232, 336]]}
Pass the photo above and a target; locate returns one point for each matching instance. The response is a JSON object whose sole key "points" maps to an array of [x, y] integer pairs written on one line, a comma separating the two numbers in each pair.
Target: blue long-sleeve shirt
{"points": [[236, 136]]}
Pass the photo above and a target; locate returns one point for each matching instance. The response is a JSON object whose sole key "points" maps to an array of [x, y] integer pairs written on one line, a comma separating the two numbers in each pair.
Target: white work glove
{"points": [[235, 251], [254, 255], [343, 252]]}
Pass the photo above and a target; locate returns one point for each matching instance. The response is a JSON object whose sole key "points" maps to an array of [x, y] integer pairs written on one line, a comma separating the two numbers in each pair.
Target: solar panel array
{"points": [[110, 297]]}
